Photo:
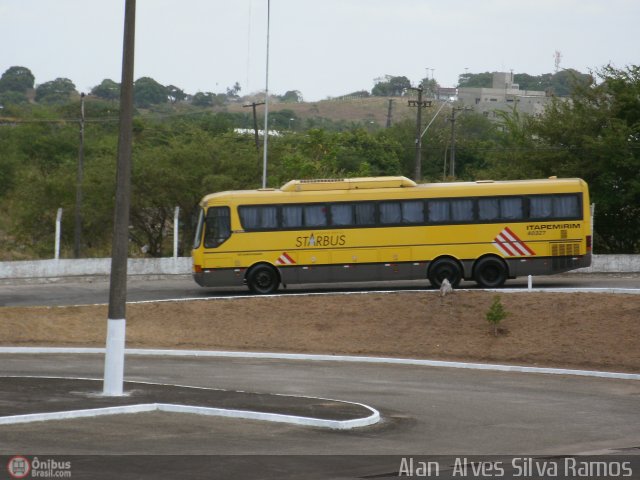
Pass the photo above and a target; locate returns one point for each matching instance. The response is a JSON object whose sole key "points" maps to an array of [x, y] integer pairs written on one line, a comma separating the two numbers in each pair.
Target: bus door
{"points": [[217, 231]]}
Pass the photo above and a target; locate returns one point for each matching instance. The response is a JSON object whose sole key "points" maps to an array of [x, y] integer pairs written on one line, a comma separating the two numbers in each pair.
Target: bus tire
{"points": [[263, 279], [490, 272], [445, 268]]}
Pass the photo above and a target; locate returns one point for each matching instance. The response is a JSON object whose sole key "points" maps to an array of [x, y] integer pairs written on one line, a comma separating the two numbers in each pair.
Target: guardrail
{"points": [[182, 266]]}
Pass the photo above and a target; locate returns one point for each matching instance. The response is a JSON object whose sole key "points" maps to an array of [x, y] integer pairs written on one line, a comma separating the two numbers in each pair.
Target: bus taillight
{"points": [[197, 268], [589, 243]]}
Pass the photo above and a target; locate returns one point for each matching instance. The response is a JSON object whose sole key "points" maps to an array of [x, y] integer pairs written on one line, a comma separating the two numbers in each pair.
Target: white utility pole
{"points": [[266, 105]]}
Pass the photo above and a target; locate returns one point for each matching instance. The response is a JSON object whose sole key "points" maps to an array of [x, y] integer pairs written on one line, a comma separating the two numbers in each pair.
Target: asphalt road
{"points": [[424, 410], [96, 290]]}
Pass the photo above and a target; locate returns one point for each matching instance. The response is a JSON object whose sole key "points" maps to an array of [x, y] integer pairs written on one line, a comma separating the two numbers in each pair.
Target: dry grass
{"points": [[578, 330]]}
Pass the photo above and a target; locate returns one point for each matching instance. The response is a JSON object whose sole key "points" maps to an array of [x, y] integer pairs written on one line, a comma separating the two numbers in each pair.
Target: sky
{"points": [[323, 48]]}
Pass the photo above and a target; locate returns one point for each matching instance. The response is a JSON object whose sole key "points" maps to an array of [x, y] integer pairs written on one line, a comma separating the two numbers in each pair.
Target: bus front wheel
{"points": [[490, 272], [263, 279], [445, 268]]}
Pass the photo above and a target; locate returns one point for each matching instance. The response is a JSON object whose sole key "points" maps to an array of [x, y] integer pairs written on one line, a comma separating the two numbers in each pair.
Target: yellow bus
{"points": [[390, 228]]}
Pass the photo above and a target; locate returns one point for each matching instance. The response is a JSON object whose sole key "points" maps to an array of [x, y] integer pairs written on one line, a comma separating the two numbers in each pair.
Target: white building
{"points": [[503, 95]]}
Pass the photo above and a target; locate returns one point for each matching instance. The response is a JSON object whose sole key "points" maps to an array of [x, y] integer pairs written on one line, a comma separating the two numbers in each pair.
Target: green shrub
{"points": [[496, 314]]}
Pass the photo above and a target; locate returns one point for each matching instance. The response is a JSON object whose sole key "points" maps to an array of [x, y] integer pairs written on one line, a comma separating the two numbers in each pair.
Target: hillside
{"points": [[359, 110]]}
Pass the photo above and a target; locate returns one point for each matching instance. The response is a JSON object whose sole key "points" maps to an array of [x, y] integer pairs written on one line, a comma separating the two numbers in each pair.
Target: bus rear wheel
{"points": [[445, 268], [263, 279], [490, 272]]}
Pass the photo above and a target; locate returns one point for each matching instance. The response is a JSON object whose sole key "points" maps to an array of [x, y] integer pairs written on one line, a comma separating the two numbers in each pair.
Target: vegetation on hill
{"points": [[183, 150], [561, 83]]}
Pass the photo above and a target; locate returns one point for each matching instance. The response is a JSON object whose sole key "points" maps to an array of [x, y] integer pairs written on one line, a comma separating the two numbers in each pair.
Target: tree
{"points": [[532, 82], [596, 136], [202, 99], [496, 314], [475, 136], [508, 149], [564, 82], [291, 96], [208, 99], [107, 90], [282, 119], [233, 91], [390, 86], [148, 92], [175, 94], [55, 91], [475, 80], [430, 87], [323, 154], [560, 83], [16, 79], [12, 98]]}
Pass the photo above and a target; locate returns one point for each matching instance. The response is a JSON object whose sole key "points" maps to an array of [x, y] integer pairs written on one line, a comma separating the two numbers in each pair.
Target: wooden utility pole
{"points": [[255, 121], [77, 237], [265, 150], [116, 323], [420, 104], [389, 112]]}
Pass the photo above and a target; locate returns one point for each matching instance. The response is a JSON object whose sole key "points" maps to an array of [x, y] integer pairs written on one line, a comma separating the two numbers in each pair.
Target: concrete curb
{"points": [[217, 412], [371, 419], [328, 358], [629, 291]]}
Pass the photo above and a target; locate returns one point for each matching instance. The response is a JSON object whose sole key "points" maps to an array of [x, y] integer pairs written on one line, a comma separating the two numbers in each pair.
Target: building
{"points": [[504, 95], [447, 93]]}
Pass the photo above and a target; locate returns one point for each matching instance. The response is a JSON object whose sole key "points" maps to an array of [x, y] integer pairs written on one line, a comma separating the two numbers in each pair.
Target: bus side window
{"points": [[438, 211], [462, 210], [390, 213], [541, 206], [342, 214], [511, 208], [497, 208], [315, 215], [217, 227], [365, 213], [291, 216], [413, 211], [488, 209], [566, 206], [259, 217]]}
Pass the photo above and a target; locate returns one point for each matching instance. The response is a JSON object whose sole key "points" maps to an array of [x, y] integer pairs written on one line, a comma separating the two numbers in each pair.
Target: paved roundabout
{"points": [[425, 409]]}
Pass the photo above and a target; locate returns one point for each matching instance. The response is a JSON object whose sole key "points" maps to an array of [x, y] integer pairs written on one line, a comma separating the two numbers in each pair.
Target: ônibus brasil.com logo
{"points": [[20, 467]]}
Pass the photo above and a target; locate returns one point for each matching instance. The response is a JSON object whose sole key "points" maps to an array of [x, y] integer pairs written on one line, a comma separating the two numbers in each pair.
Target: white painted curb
{"points": [[327, 358], [72, 414], [371, 419], [209, 411]]}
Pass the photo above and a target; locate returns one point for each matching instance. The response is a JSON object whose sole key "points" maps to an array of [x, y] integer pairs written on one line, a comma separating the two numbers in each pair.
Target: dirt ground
{"points": [[578, 330]]}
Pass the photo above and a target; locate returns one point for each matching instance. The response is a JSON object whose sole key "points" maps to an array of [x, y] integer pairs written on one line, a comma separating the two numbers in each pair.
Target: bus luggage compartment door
{"points": [[314, 266], [355, 265]]}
